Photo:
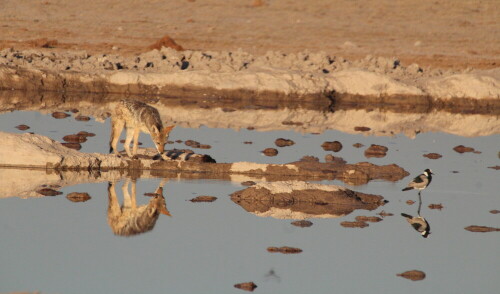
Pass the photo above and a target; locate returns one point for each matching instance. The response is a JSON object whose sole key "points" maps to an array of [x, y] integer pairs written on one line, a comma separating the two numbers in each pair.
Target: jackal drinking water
{"points": [[137, 117]]}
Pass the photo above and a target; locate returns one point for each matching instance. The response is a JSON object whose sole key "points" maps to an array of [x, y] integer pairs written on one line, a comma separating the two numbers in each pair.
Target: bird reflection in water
{"points": [[419, 223], [130, 219]]}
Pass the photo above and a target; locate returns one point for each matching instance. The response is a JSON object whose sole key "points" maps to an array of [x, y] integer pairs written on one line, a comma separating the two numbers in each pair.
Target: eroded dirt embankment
{"points": [[302, 76]]}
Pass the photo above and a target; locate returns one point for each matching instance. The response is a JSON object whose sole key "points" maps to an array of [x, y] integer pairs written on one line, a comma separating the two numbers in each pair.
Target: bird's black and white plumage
{"points": [[421, 181], [419, 224]]}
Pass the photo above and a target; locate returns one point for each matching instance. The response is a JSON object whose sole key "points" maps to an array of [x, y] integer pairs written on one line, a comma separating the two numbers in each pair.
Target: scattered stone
{"points": [[384, 214], [59, 115], [357, 145], [248, 183], [334, 146], [205, 146], [49, 192], [283, 142], [166, 41], [335, 159], [302, 223], [455, 171], [22, 127], [82, 118], [258, 3], [76, 146], [204, 199], [436, 206], [356, 224], [463, 149], [481, 229], [178, 141], [248, 286], [75, 139], [152, 194], [371, 219], [362, 129], [410, 202], [496, 167], [270, 152], [494, 211], [78, 197], [74, 110], [376, 151], [414, 275], [433, 155], [85, 134], [192, 143], [250, 128], [284, 250], [248, 142]]}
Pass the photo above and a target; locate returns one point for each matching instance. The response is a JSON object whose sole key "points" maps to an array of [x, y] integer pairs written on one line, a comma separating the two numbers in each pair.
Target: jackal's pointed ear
{"points": [[167, 130]]}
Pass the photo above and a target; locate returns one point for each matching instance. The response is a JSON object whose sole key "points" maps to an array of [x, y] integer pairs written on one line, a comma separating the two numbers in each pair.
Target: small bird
{"points": [[419, 224], [420, 182]]}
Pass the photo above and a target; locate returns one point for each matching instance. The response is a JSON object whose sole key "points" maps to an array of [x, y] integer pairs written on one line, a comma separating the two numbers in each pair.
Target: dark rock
{"points": [[371, 219], [413, 275], [356, 224], [204, 199], [248, 286], [82, 118], [362, 129], [76, 146], [78, 197], [75, 138], [22, 127], [48, 192], [248, 183], [283, 142], [59, 115], [376, 151], [334, 146], [284, 250], [302, 223], [270, 152], [436, 206], [433, 155], [481, 229], [357, 145], [463, 149]]}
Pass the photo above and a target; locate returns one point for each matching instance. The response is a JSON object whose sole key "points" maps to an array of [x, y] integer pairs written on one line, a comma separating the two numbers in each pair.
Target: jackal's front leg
{"points": [[130, 136], [116, 130], [136, 140]]}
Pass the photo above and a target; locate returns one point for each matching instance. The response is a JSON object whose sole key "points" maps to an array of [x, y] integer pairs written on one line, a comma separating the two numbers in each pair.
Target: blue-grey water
{"points": [[52, 245]]}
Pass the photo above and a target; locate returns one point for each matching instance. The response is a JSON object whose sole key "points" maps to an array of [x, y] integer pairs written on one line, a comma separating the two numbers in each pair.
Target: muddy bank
{"points": [[36, 151], [275, 75], [302, 200], [302, 117]]}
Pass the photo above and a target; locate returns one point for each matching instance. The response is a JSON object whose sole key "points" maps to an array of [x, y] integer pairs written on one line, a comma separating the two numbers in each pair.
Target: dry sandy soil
{"points": [[450, 34]]}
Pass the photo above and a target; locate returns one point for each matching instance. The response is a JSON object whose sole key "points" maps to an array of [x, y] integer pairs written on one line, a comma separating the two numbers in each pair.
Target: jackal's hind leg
{"points": [[116, 130]]}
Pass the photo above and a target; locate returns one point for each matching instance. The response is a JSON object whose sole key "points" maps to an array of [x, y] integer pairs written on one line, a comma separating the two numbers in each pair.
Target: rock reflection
{"points": [[418, 223], [129, 219], [302, 200]]}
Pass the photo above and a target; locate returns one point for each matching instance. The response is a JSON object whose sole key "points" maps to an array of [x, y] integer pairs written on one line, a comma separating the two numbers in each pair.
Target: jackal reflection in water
{"points": [[128, 219]]}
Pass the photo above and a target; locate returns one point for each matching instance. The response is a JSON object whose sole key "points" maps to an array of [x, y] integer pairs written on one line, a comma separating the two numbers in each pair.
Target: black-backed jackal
{"points": [[137, 117], [129, 219]]}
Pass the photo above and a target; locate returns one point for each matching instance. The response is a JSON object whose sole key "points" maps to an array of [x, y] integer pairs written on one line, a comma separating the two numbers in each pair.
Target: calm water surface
{"points": [[53, 245]]}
